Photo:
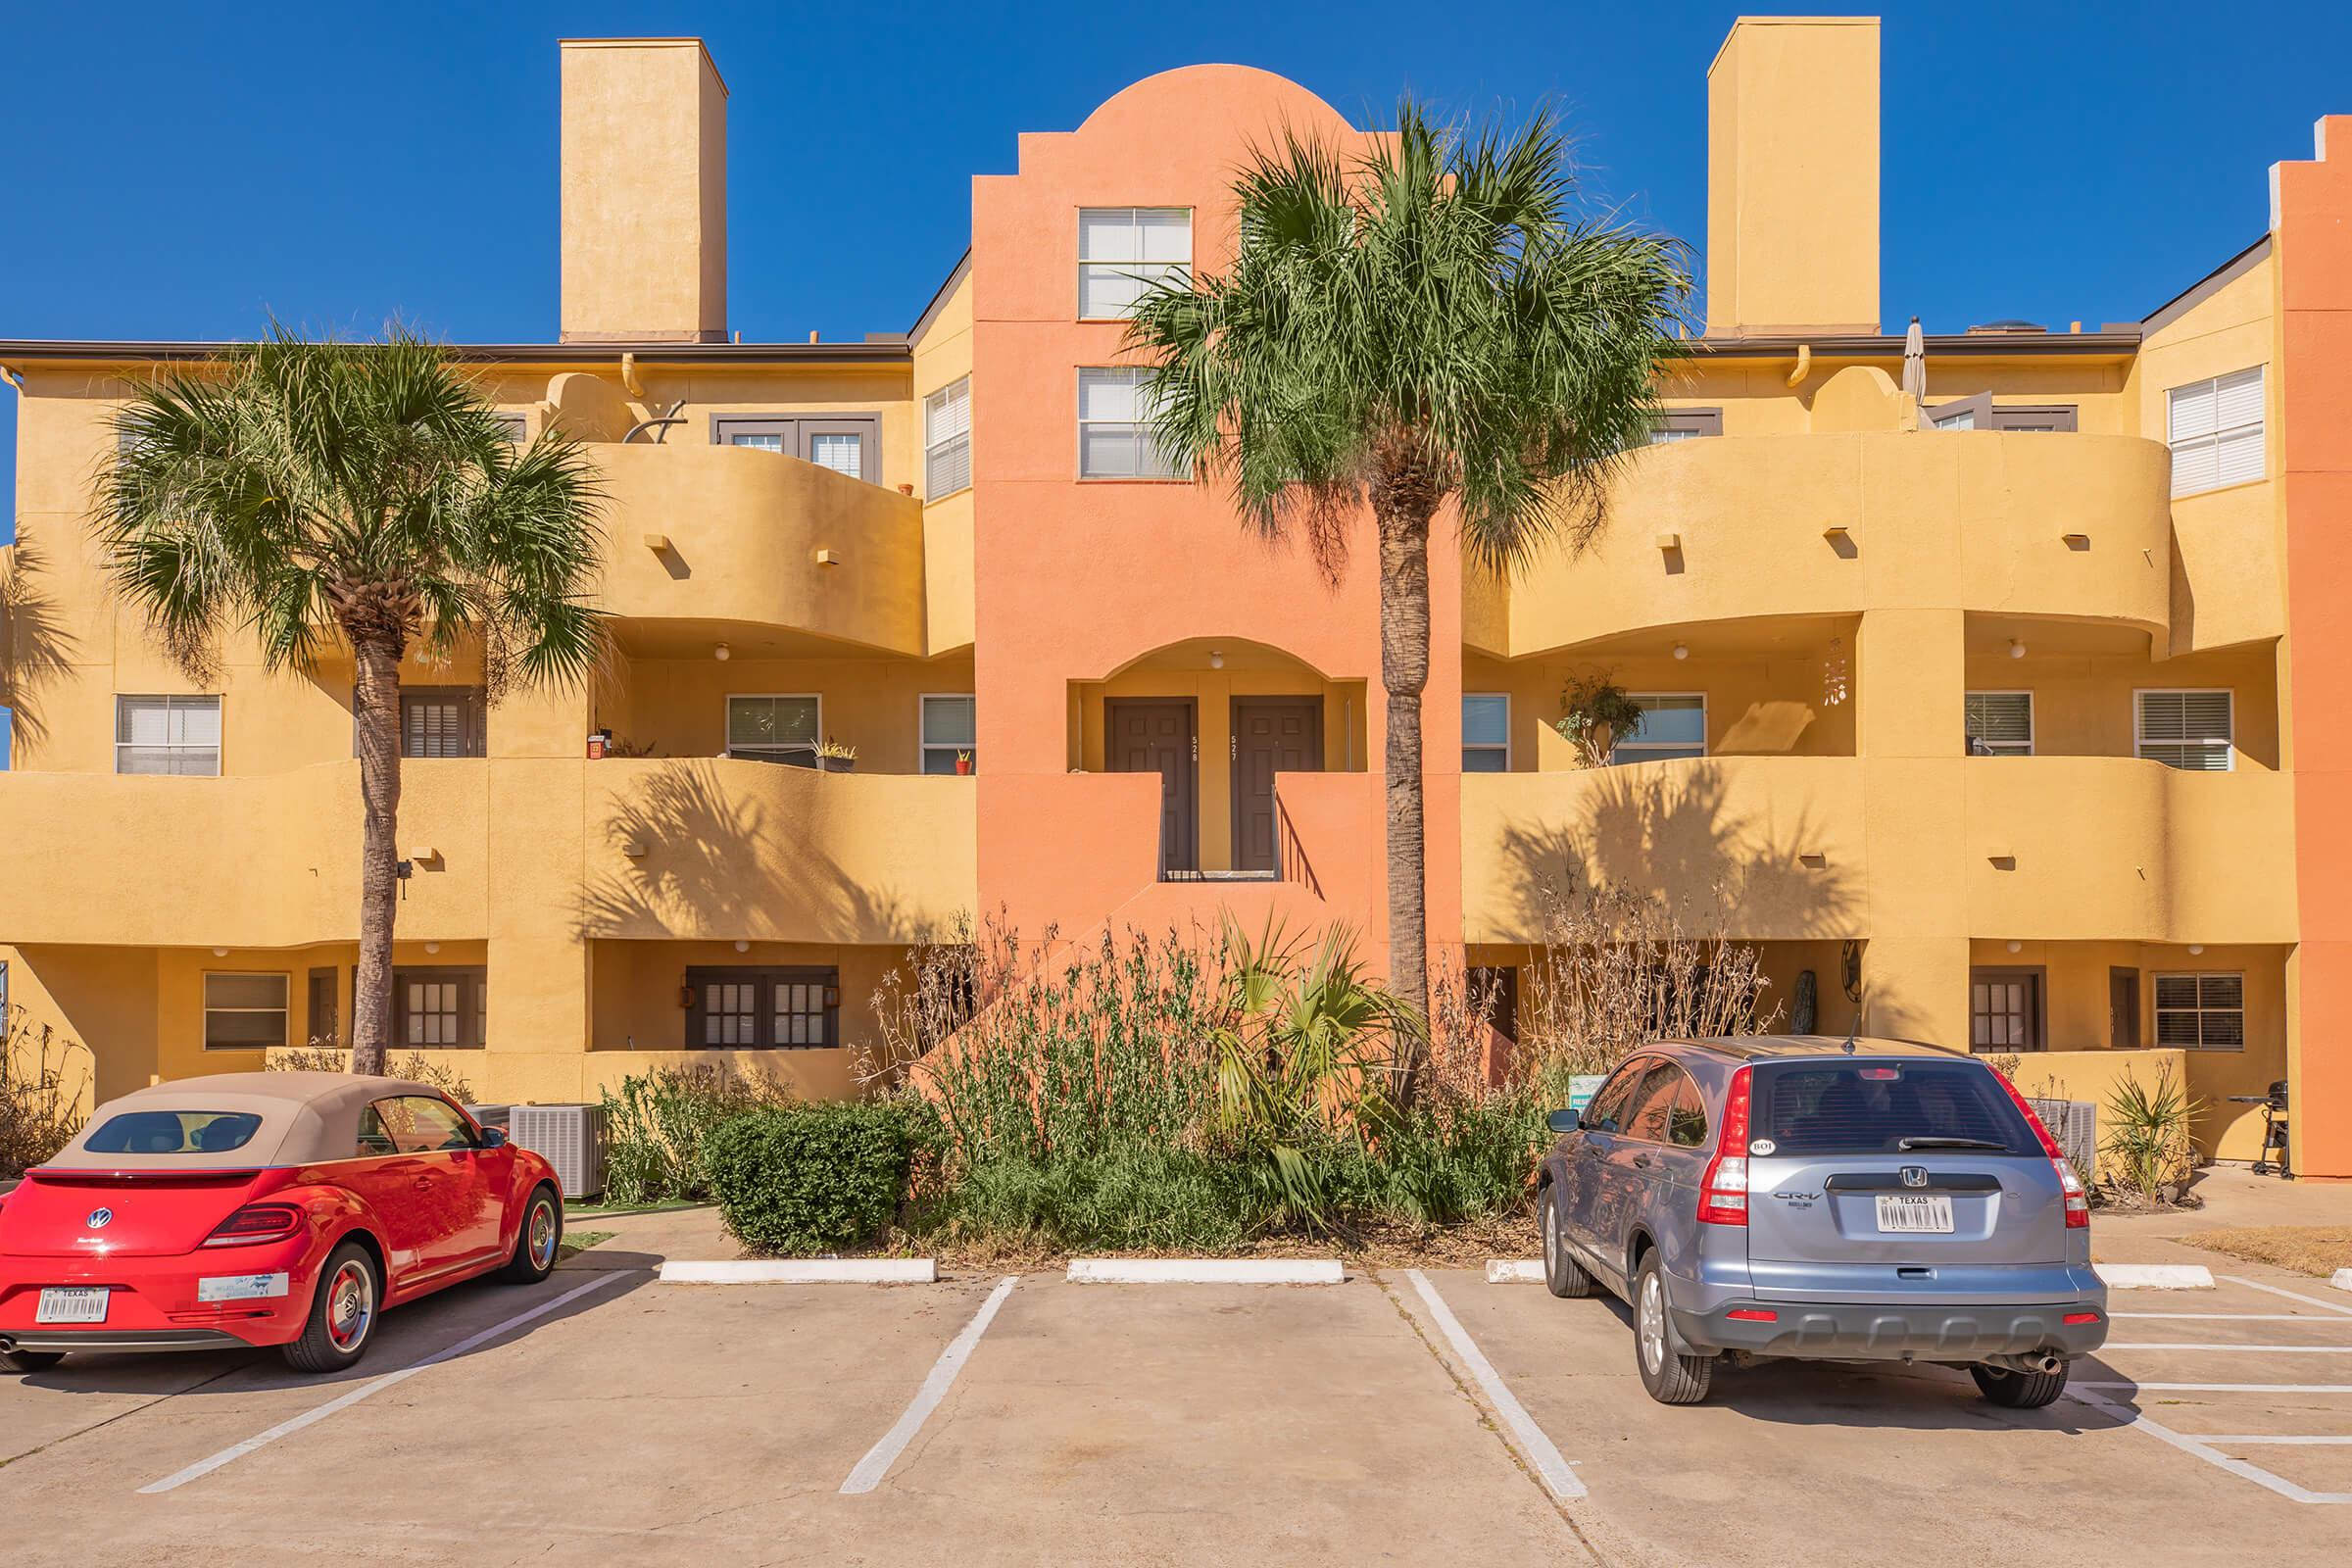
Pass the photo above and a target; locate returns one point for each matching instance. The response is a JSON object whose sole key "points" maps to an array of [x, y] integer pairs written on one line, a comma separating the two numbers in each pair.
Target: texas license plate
{"points": [[76, 1304], [1915, 1213]]}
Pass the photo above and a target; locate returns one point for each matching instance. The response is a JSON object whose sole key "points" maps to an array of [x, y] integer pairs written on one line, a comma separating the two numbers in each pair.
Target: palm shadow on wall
{"points": [[1674, 827], [716, 864], [35, 649]]}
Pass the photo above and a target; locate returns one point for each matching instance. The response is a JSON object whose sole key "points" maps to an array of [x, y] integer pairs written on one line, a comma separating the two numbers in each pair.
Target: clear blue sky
{"points": [[177, 171]]}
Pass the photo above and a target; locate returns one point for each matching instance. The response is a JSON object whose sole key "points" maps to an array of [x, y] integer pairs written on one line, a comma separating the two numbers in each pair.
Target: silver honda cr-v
{"points": [[1825, 1200]]}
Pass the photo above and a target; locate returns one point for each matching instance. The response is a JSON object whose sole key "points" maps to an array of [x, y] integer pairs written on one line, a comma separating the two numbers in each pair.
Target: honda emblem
{"points": [[1915, 1176]]}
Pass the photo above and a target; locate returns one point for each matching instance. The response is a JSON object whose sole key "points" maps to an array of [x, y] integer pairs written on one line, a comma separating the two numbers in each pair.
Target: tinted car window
{"points": [[1868, 1108], [373, 1140], [1606, 1111], [175, 1132], [1653, 1103], [1687, 1122]]}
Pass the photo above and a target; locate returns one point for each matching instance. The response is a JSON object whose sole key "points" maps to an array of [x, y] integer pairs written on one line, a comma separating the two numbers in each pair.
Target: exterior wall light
{"points": [[742, 946], [432, 947], [1217, 660], [2017, 648], [2017, 947], [2196, 948], [722, 653], [219, 952], [657, 542], [828, 558], [1680, 651]]}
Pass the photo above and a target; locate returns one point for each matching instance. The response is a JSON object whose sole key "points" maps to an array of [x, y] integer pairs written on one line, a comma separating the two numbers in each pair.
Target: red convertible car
{"points": [[285, 1208]]}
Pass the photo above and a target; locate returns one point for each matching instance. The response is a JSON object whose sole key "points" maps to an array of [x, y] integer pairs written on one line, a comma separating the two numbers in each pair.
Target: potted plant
{"points": [[834, 757], [963, 763], [1594, 714]]}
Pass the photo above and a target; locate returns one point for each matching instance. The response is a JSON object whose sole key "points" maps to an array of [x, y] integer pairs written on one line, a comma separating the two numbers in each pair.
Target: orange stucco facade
{"points": [[2007, 713]]}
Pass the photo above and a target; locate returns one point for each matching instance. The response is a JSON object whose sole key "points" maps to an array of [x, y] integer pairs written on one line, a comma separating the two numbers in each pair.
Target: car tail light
{"points": [[1723, 1192], [2077, 1202], [1752, 1314], [2074, 1318], [256, 1223]]}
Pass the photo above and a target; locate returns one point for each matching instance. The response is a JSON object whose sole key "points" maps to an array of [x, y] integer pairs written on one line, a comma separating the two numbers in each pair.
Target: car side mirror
{"points": [[494, 1138], [1563, 1122]]}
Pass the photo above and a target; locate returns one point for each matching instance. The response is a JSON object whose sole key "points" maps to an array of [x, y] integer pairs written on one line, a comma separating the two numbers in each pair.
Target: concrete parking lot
{"points": [[1165, 1424]]}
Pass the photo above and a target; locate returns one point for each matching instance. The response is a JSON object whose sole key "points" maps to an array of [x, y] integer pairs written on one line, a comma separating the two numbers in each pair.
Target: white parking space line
{"points": [[882, 1455], [1539, 1449], [2242, 1350], [2201, 1448], [2306, 1300], [2222, 1387], [318, 1413], [2242, 1439]]}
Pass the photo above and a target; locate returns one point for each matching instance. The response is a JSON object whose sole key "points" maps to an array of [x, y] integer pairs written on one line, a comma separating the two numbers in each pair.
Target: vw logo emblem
{"points": [[100, 1218], [1915, 1176]]}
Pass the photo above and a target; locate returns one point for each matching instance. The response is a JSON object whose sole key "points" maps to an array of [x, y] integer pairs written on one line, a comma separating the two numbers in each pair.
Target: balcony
{"points": [[2074, 526], [752, 544]]}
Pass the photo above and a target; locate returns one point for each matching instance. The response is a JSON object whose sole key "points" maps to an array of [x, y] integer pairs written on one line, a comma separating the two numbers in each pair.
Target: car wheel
{"points": [[22, 1361], [1670, 1377], [343, 1312], [2018, 1391], [538, 1240], [1563, 1275]]}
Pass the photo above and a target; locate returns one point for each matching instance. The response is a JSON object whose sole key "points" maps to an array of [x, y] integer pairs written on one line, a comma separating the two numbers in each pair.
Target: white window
{"points": [[1673, 724], [841, 450], [2186, 729], [1486, 732], [773, 729], [948, 440], [1122, 251], [1114, 432], [168, 735], [947, 732], [245, 1011], [2000, 723], [2215, 428], [2201, 1011]]}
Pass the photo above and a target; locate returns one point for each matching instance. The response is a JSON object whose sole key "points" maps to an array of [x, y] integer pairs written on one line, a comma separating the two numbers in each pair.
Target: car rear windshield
{"points": [[1870, 1108], [173, 1132]]}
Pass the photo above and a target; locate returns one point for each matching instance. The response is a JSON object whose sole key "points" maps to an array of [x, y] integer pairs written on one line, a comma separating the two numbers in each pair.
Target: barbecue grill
{"points": [[2274, 1130]]}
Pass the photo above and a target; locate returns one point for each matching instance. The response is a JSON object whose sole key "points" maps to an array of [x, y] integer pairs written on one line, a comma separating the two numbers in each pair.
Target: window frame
{"points": [[924, 746], [766, 976], [1630, 1072], [934, 447], [514, 423], [1142, 427], [726, 715], [2033, 719], [2038, 1012], [219, 748], [1469, 746], [1649, 749], [470, 698], [463, 1124], [2062, 418], [284, 1011], [796, 431], [473, 981], [2140, 742], [2259, 425], [1684, 425], [2157, 1010], [1190, 235]]}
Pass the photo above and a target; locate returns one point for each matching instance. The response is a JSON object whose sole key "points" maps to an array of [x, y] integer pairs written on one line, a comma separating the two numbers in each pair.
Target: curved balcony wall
{"points": [[745, 531], [1731, 527]]}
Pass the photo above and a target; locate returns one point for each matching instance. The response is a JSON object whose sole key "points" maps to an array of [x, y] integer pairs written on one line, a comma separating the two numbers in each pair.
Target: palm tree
{"points": [[1434, 320], [331, 495]]}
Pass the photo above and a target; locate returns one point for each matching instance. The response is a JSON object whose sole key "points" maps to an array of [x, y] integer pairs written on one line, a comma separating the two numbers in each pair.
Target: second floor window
{"points": [[948, 440], [773, 729], [1486, 732], [948, 733], [1114, 432], [2000, 723], [1685, 424], [170, 734], [848, 444], [2216, 432], [441, 721], [1673, 724], [1122, 251], [2184, 730]]}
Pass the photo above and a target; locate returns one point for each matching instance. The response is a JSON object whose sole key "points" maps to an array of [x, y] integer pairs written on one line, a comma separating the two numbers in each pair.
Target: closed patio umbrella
{"points": [[1915, 363]]}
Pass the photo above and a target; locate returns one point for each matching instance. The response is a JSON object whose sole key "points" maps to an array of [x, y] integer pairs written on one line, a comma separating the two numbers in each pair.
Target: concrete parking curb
{"points": [[1207, 1271], [805, 1271], [2341, 1279], [2155, 1276], [1514, 1271]]}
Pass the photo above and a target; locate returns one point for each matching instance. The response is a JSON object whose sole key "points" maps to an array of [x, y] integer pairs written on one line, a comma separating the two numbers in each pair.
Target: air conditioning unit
{"points": [[2075, 1125], [570, 1137], [489, 1115]]}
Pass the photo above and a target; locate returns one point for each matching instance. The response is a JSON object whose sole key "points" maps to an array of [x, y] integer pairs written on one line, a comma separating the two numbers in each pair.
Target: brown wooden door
{"points": [[1155, 735], [2123, 1007], [1270, 735]]}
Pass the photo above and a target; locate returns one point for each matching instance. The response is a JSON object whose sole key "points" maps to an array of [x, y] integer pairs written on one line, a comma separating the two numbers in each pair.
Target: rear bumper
{"points": [[1885, 1331], [120, 1340], [154, 1303]]}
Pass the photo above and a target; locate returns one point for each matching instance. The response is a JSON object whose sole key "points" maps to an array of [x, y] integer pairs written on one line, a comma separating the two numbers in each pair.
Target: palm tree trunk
{"points": [[375, 706], [1403, 525]]}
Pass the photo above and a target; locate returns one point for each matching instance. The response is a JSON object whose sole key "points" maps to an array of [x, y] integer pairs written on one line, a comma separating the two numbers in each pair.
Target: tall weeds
{"points": [[44, 1077]]}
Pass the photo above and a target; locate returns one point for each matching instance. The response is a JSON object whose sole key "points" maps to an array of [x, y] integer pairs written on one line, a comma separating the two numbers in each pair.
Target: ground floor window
{"points": [[2004, 1009], [2201, 1011], [745, 1008], [245, 1011], [440, 1008]]}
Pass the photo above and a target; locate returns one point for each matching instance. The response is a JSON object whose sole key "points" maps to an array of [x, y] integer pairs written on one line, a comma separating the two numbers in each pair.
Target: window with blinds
{"points": [[245, 1011], [1685, 424], [948, 440], [2000, 723], [773, 729], [947, 732], [849, 444], [1124, 251], [441, 721], [2184, 730], [1486, 732], [2216, 431], [1674, 724], [1115, 430], [2201, 1011], [168, 734], [745, 1008]]}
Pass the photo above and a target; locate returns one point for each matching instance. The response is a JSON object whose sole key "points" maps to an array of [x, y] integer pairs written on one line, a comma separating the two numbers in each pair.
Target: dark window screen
{"points": [[1868, 1108]]}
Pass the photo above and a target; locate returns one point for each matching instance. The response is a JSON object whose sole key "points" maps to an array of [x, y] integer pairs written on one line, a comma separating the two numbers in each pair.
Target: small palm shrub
{"points": [[2149, 1155], [658, 1128], [797, 1179]]}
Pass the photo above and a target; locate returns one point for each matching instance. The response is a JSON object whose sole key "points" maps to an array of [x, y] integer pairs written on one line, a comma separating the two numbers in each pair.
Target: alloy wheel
{"points": [[543, 1234], [350, 1306], [1653, 1325]]}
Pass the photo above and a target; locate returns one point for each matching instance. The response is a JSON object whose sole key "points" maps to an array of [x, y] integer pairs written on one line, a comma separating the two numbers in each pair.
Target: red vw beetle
{"points": [[284, 1208]]}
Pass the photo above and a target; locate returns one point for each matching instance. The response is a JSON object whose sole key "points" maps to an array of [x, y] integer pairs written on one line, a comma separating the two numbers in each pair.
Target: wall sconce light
{"points": [[2017, 648], [1836, 534], [2017, 947], [2001, 855], [742, 946], [657, 542], [722, 653], [219, 952], [1682, 650], [424, 855], [2196, 948], [1216, 660], [432, 947], [828, 558], [1669, 543]]}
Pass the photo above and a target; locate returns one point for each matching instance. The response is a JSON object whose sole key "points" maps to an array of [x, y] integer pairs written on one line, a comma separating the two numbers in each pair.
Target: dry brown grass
{"points": [[2314, 1249]]}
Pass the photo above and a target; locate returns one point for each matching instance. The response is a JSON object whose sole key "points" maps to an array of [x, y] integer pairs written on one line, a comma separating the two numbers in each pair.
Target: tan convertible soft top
{"points": [[307, 1117]]}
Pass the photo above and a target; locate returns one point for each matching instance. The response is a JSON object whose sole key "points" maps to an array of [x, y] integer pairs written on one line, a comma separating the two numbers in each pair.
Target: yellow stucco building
{"points": [[1982, 707]]}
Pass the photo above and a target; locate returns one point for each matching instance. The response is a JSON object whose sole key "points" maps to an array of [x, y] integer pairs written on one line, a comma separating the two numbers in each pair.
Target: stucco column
{"points": [[1910, 677], [538, 958]]}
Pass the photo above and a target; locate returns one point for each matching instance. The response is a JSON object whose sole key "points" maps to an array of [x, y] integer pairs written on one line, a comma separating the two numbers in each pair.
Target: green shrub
{"points": [[657, 1126], [811, 1178], [2150, 1156], [1132, 1199]]}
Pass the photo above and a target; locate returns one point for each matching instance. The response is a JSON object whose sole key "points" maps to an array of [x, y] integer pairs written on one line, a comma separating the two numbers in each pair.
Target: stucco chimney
{"points": [[1793, 176], [644, 192]]}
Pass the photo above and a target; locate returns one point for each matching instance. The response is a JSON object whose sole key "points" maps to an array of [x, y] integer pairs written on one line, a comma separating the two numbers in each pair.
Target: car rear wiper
{"points": [[1908, 1143]]}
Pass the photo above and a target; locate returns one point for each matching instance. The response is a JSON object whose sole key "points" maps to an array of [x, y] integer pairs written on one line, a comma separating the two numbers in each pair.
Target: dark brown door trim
{"points": [[2036, 1016], [1247, 855], [1180, 794]]}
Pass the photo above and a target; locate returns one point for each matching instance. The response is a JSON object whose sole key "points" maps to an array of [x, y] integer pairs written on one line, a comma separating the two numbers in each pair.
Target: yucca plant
{"points": [[2149, 1151]]}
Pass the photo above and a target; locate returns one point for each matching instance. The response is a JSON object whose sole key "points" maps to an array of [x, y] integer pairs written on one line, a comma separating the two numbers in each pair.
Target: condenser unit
{"points": [[569, 1137]]}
